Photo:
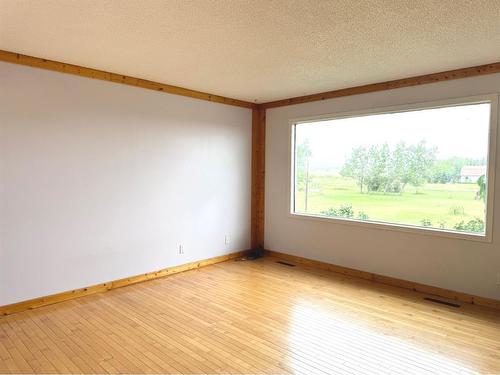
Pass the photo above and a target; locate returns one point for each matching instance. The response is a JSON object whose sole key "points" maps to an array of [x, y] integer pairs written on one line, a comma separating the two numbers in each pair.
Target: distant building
{"points": [[471, 173]]}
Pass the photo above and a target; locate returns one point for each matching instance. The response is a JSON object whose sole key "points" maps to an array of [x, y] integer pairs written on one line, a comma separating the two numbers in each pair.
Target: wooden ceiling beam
{"points": [[57, 66], [389, 85]]}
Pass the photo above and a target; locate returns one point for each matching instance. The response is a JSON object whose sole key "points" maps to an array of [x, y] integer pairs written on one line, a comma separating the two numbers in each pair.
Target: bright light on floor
{"points": [[338, 346]]}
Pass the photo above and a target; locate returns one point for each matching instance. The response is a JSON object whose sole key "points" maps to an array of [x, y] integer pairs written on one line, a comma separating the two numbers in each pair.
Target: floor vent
{"points": [[435, 300], [285, 263]]}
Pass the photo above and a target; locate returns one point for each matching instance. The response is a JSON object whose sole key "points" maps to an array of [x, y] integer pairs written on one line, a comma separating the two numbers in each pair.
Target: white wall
{"points": [[100, 181], [461, 265]]}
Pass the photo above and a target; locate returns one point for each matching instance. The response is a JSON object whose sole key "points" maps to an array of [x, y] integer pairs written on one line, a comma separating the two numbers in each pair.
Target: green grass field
{"points": [[443, 204]]}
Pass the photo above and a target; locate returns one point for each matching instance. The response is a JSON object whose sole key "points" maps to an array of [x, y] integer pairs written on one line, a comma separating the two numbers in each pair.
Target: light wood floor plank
{"points": [[252, 317]]}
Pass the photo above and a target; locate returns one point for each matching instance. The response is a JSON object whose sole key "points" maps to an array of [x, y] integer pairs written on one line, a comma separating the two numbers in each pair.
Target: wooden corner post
{"points": [[258, 177]]}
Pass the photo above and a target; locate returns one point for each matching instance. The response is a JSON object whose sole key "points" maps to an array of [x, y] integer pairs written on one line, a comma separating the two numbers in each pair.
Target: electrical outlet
{"points": [[227, 239], [181, 249]]}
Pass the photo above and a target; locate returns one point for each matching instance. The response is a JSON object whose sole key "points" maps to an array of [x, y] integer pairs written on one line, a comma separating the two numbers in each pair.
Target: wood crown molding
{"points": [[392, 281], [17, 58], [36, 62], [389, 85], [104, 287]]}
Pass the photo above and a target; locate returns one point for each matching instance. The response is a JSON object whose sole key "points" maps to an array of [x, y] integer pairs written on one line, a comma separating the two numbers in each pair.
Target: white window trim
{"points": [[492, 138]]}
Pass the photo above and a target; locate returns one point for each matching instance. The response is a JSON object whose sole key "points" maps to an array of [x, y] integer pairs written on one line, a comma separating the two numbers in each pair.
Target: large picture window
{"points": [[425, 167]]}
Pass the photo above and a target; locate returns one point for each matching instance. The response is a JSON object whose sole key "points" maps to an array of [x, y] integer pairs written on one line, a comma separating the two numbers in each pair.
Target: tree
{"points": [[448, 171], [420, 162], [303, 178], [356, 166], [378, 167], [481, 182], [444, 171], [381, 170], [397, 170]]}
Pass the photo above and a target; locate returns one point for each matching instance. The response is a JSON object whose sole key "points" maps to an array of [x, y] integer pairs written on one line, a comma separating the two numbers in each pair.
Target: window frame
{"points": [[491, 158]]}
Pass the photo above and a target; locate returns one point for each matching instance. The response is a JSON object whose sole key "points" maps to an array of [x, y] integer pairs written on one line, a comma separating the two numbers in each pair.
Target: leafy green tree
{"points": [[444, 171], [378, 165], [397, 169], [448, 171], [420, 162], [356, 166], [381, 170], [481, 182]]}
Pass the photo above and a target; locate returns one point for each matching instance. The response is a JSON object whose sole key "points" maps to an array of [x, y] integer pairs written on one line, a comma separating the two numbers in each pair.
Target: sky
{"points": [[460, 131]]}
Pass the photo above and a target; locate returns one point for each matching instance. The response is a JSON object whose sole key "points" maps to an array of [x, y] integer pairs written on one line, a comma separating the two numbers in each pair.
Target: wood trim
{"points": [[258, 177], [392, 281], [389, 85], [17, 58], [104, 287], [36, 62]]}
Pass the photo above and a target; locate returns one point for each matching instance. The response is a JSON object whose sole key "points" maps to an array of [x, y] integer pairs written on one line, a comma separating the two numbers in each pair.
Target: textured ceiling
{"points": [[257, 50]]}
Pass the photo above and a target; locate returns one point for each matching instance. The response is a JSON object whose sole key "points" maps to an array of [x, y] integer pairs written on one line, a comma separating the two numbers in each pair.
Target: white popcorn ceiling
{"points": [[257, 50]]}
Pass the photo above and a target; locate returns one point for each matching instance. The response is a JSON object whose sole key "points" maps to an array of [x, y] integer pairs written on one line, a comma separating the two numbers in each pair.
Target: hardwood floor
{"points": [[252, 317]]}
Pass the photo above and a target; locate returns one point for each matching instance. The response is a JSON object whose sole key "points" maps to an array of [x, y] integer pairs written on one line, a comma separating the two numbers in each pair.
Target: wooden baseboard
{"points": [[422, 288], [104, 287], [63, 296]]}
